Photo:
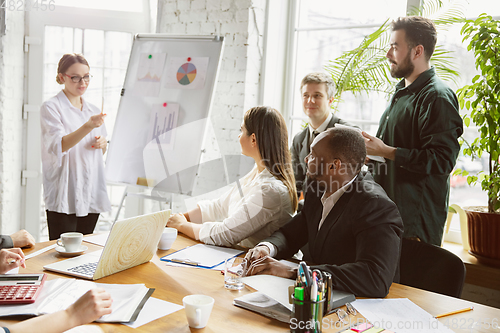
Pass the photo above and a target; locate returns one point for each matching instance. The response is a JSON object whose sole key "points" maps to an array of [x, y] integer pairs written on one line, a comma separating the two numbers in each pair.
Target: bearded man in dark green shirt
{"points": [[418, 133]]}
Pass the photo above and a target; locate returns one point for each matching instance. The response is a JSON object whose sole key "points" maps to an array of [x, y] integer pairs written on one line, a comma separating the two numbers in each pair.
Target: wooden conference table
{"points": [[173, 283]]}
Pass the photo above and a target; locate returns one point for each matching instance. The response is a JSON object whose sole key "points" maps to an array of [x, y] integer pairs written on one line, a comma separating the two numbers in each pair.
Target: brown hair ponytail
{"points": [[271, 134]]}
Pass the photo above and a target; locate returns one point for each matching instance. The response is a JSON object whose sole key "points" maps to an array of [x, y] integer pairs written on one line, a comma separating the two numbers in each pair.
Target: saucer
{"points": [[62, 251]]}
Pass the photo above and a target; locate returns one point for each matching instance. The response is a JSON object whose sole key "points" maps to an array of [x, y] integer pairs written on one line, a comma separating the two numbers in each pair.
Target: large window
{"points": [[323, 31]]}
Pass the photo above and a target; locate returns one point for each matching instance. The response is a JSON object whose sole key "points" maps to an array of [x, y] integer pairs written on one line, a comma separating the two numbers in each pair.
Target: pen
{"points": [[187, 262], [454, 312]]}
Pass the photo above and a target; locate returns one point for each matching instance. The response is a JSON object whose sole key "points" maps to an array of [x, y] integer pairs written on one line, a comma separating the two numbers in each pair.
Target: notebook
{"points": [[131, 242], [272, 299]]}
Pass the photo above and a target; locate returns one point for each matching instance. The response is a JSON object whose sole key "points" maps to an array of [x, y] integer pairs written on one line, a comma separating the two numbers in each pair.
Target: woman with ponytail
{"points": [[269, 195]]}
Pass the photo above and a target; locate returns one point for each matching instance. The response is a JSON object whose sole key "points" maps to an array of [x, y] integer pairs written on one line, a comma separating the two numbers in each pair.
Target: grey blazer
{"points": [[300, 149]]}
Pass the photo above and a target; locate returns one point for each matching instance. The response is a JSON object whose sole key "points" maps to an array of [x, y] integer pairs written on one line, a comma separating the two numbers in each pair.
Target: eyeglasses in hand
{"points": [[78, 78]]}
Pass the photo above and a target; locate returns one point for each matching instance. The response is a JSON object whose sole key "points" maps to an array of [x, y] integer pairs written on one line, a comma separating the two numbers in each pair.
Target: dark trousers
{"points": [[59, 223]]}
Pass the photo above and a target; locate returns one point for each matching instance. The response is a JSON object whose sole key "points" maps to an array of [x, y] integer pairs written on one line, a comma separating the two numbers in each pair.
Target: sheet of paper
{"points": [[203, 255], [153, 309], [99, 239], [400, 315], [371, 157], [45, 249], [162, 124], [273, 286], [149, 73]]}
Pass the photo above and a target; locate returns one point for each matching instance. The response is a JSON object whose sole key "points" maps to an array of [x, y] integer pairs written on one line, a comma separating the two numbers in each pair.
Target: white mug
{"points": [[167, 238], [198, 309], [71, 241]]}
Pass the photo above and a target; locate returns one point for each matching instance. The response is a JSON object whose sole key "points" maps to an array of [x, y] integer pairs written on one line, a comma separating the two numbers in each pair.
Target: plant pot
{"points": [[484, 236]]}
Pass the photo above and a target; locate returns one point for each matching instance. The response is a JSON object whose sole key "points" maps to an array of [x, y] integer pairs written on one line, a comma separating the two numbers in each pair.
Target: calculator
{"points": [[20, 288]]}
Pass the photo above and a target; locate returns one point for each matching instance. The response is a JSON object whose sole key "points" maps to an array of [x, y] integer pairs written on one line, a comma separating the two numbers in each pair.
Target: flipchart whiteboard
{"points": [[164, 114]]}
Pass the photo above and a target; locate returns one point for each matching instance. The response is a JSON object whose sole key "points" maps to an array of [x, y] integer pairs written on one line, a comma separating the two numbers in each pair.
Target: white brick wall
{"points": [[241, 22], [11, 125]]}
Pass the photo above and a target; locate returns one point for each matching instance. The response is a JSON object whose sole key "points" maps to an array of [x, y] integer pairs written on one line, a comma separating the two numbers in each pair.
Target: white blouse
{"points": [[73, 181], [231, 219]]}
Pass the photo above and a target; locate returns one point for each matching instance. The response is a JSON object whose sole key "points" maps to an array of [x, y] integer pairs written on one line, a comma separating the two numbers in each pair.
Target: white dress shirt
{"points": [[328, 203], [73, 181], [321, 128], [231, 219]]}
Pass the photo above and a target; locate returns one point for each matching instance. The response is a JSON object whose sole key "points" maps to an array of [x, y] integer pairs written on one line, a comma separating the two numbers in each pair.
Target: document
{"points": [[399, 315], [201, 255], [59, 294], [263, 304], [153, 309]]}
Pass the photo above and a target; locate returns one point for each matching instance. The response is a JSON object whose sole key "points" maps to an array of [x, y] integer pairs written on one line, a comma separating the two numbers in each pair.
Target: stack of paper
{"points": [[59, 294], [201, 255]]}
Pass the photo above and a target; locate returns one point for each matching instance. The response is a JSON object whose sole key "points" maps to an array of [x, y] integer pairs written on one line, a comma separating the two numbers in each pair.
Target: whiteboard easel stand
{"points": [[143, 196]]}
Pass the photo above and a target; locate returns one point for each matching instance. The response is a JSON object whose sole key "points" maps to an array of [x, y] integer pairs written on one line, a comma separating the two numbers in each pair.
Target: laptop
{"points": [[131, 242]]}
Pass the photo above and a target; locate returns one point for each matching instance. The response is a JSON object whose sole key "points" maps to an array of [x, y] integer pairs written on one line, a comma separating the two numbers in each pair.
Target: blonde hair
{"points": [[318, 77], [68, 60]]}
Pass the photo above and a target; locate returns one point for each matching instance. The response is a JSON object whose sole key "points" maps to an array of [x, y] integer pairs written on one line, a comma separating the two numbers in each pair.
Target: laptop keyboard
{"points": [[85, 269]]}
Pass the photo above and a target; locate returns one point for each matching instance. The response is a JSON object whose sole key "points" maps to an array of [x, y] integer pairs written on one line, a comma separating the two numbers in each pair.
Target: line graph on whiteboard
{"points": [[149, 73]]}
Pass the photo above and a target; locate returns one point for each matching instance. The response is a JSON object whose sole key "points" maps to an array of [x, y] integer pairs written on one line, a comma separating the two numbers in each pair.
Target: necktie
{"points": [[314, 135]]}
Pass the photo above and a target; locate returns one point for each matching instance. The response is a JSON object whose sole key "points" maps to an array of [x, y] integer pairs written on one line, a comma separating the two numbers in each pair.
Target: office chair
{"points": [[431, 268]]}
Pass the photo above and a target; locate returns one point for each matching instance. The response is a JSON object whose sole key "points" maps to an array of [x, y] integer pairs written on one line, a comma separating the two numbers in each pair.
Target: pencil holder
{"points": [[307, 316]]}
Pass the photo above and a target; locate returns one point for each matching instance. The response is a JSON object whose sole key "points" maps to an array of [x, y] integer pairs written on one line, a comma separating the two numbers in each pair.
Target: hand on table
{"points": [[22, 238], [94, 304], [10, 259], [271, 266], [257, 252]]}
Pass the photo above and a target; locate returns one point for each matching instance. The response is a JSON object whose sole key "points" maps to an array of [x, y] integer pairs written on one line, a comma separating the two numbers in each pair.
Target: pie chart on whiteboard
{"points": [[186, 74]]}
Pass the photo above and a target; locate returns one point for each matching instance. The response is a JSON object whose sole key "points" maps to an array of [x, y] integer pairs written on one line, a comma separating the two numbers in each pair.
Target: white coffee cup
{"points": [[71, 241], [167, 238], [198, 309]]}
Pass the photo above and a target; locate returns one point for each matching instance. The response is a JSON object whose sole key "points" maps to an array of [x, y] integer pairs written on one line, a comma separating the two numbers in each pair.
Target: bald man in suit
{"points": [[350, 226]]}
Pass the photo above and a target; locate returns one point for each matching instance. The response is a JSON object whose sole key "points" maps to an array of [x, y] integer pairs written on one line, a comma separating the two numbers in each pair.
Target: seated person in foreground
{"points": [[269, 195], [353, 230], [91, 306], [22, 238]]}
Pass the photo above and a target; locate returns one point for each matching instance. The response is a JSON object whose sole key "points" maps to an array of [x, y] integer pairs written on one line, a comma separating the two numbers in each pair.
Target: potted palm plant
{"points": [[481, 99]]}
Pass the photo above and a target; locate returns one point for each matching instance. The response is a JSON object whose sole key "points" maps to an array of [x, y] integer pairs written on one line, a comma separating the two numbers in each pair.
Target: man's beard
{"points": [[404, 69]]}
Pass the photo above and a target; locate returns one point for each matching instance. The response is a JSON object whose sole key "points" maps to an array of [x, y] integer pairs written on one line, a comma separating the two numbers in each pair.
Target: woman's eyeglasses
{"points": [[77, 78]]}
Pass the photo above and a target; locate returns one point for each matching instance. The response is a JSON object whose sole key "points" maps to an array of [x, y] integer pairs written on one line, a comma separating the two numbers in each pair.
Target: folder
{"points": [[202, 256]]}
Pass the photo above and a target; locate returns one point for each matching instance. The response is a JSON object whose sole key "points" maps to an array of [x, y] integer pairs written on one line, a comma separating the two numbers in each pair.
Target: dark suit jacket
{"points": [[359, 243], [6, 242], [300, 149]]}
